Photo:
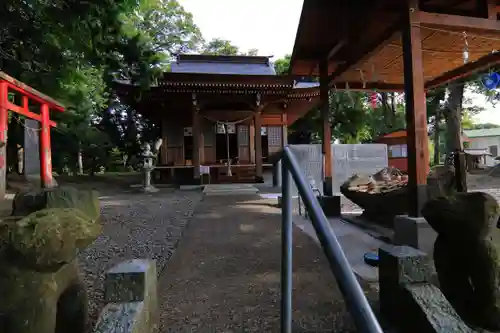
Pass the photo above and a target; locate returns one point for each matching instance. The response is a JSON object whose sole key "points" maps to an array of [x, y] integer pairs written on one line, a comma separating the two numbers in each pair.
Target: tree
{"points": [[165, 25], [481, 126], [218, 46], [281, 66]]}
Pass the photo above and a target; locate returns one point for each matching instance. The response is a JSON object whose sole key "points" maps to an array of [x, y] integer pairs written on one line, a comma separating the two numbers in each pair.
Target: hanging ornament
{"points": [[466, 48], [491, 81], [349, 94], [374, 94], [373, 100]]}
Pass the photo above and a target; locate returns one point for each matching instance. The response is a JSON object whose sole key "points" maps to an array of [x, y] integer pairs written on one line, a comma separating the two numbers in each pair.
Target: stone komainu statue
{"points": [[40, 288], [466, 259]]}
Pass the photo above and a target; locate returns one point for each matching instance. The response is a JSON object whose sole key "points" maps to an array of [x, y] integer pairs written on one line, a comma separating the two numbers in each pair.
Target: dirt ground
{"points": [[225, 275]]}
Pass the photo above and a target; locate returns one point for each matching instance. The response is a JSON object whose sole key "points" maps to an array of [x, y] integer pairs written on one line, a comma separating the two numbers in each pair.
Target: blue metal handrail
{"points": [[356, 301]]}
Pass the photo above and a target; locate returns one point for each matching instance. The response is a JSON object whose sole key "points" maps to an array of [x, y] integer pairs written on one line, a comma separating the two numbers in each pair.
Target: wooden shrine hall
{"points": [[409, 46], [221, 118]]}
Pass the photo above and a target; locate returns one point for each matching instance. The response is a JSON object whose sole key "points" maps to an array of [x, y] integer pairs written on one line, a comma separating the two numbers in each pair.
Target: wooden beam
{"points": [[30, 92], [367, 52], [463, 71], [23, 111], [334, 50], [416, 119], [469, 24], [369, 86], [326, 137], [448, 10], [487, 9]]}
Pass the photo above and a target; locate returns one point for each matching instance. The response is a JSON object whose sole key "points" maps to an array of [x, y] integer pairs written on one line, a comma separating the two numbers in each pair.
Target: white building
{"points": [[488, 139]]}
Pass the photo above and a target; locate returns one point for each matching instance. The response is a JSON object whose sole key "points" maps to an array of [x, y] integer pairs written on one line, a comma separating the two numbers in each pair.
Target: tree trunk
{"points": [[454, 133], [393, 109], [454, 117], [437, 121], [80, 162]]}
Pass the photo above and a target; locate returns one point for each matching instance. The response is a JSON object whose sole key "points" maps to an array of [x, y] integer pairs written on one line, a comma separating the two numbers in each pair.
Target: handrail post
{"points": [[355, 299], [286, 249]]}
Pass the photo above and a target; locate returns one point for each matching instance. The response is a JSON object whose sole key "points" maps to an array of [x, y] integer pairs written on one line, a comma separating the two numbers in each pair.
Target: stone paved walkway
{"points": [[225, 275]]}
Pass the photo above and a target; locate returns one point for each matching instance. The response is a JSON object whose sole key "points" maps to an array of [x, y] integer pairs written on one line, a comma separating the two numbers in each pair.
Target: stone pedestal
{"points": [[408, 302], [398, 266], [32, 153], [414, 232], [277, 174], [331, 205], [148, 188], [128, 285], [31, 150]]}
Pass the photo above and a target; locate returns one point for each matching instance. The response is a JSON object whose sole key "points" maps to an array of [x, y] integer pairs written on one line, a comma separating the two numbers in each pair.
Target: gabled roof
{"points": [[479, 133], [210, 64]]}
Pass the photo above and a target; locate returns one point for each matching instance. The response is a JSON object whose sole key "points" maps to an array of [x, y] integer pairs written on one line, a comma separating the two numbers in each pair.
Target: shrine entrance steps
{"points": [[225, 274], [229, 189]]}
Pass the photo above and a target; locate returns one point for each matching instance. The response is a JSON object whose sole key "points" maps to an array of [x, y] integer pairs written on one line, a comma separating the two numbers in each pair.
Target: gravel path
{"points": [[135, 226], [225, 275]]}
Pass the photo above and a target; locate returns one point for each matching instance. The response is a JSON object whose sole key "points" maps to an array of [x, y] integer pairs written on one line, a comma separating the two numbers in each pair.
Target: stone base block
{"points": [[131, 282], [149, 189], [34, 179], [398, 266], [414, 232]]}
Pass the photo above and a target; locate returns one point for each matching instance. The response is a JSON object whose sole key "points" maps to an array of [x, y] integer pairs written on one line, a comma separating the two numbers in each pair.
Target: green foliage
{"points": [[73, 50], [282, 65], [218, 46]]}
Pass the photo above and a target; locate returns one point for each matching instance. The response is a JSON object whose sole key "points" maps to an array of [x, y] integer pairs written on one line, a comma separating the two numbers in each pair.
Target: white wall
{"points": [[484, 143]]}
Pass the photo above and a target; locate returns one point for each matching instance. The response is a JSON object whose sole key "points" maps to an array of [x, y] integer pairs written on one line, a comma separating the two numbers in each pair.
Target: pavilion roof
{"points": [[362, 41], [211, 64]]}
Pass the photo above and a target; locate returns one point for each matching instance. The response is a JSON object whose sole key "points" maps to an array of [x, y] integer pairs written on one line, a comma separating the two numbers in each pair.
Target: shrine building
{"points": [[201, 97]]}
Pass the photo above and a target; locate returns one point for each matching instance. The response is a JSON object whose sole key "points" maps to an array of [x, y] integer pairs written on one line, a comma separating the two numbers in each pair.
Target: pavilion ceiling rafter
{"points": [[456, 22], [364, 53]]}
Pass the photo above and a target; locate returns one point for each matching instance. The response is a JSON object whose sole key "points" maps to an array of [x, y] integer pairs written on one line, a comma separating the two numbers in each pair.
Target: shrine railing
{"points": [[355, 299]]}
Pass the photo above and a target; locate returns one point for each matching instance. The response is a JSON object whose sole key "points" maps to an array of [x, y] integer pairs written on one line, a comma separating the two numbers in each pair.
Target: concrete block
{"points": [[398, 266], [134, 281], [122, 318], [414, 232], [424, 309]]}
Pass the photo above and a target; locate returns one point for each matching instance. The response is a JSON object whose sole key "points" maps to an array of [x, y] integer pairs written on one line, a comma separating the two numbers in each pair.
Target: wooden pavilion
{"points": [[395, 45], [203, 97]]}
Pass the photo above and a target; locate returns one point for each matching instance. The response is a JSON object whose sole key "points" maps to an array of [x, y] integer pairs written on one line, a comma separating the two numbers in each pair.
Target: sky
{"points": [[270, 26]]}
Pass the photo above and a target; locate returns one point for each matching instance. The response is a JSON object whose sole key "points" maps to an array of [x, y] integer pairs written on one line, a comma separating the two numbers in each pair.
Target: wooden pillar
{"points": [[45, 152], [416, 117], [284, 131], [251, 142], [3, 138], [258, 146], [202, 138], [326, 137], [196, 145], [164, 146]]}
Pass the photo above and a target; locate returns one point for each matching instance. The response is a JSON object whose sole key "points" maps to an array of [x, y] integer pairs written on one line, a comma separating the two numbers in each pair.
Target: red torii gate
{"points": [[7, 83]]}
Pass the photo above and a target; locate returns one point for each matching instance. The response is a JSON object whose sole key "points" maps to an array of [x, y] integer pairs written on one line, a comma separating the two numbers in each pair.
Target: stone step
{"points": [[229, 189]]}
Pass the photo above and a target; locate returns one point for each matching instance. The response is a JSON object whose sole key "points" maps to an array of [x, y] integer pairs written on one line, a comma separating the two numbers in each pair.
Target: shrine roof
{"points": [[362, 40], [211, 64], [481, 133]]}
